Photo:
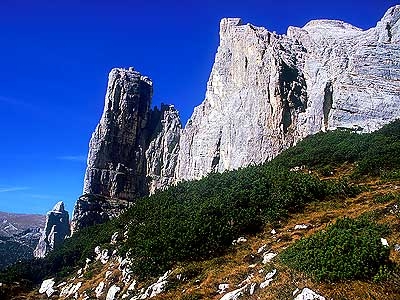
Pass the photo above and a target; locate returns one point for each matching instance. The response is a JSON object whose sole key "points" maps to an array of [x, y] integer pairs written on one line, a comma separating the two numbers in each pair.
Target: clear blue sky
{"points": [[54, 61]]}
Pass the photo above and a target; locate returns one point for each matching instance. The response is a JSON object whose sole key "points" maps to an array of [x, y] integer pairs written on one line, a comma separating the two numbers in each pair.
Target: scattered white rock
{"points": [[132, 287], [295, 291], [222, 288], [156, 288], [384, 242], [70, 289], [99, 289], [252, 266], [253, 288], [261, 249], [104, 256], [97, 250], [268, 279], [239, 240], [270, 274], [300, 226], [236, 294], [61, 284], [114, 238], [273, 231], [108, 273], [47, 287], [397, 247], [268, 257], [247, 280], [79, 271], [88, 260], [261, 271], [307, 294], [112, 292]]}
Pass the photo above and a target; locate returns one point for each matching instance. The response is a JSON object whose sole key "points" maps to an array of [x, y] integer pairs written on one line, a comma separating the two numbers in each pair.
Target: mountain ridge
{"points": [[265, 93], [19, 234]]}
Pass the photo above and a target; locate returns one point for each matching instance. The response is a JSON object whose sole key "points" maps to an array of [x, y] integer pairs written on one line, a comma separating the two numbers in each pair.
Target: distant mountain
{"points": [[19, 235]]}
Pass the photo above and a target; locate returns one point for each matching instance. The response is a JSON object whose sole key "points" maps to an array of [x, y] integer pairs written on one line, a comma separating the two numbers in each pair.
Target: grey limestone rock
{"points": [[162, 152], [132, 152], [57, 228], [92, 209], [116, 167], [267, 91]]}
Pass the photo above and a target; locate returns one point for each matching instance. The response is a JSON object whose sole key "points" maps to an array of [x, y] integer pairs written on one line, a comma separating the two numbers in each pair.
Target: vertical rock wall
{"points": [[116, 162]]}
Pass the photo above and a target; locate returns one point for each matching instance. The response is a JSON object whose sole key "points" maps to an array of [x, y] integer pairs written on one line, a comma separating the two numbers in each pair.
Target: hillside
{"points": [[19, 235], [226, 229]]}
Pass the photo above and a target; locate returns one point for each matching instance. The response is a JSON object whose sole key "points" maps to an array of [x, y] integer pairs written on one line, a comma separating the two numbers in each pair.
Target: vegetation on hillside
{"points": [[199, 219], [348, 249], [374, 154]]}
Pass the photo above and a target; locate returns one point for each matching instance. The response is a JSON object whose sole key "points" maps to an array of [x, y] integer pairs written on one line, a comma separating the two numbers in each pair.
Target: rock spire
{"points": [[57, 228]]}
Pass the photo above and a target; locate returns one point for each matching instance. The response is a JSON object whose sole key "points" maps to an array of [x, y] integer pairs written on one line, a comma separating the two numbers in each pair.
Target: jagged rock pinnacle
{"points": [[57, 228]]}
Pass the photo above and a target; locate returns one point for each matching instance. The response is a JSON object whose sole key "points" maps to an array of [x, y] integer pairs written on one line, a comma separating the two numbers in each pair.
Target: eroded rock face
{"points": [[268, 91], [92, 209], [132, 151], [57, 228], [116, 167], [162, 152]]}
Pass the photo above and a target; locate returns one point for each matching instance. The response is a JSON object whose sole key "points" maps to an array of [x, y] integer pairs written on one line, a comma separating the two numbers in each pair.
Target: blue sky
{"points": [[54, 61]]}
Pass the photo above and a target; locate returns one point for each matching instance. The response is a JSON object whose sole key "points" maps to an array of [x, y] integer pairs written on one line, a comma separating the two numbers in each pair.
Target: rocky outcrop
{"points": [[132, 152], [268, 91], [116, 166], [92, 209], [265, 93], [162, 152], [57, 228]]}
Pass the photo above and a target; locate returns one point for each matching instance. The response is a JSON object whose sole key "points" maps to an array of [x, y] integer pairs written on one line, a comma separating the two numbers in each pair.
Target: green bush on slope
{"points": [[348, 249], [199, 219], [374, 153]]}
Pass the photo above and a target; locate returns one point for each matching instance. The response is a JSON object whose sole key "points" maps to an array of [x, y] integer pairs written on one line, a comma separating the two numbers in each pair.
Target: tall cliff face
{"points": [[268, 91], [133, 150], [265, 93], [55, 231], [116, 166], [162, 152]]}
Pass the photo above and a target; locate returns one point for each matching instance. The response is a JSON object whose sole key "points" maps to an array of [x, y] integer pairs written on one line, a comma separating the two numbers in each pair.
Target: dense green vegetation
{"points": [[348, 249], [199, 219], [196, 220], [374, 154]]}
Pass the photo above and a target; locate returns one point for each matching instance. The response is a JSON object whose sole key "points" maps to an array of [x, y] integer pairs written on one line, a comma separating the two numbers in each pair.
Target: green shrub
{"points": [[348, 249], [198, 220], [374, 153], [386, 198]]}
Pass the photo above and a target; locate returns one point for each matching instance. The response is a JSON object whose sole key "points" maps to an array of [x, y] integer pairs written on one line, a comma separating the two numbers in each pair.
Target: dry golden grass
{"points": [[233, 267]]}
